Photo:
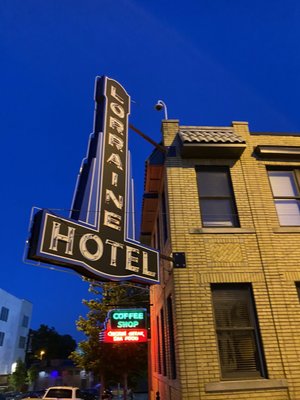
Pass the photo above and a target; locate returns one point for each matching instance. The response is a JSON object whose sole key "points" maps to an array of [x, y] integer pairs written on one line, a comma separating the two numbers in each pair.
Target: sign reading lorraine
{"points": [[94, 240]]}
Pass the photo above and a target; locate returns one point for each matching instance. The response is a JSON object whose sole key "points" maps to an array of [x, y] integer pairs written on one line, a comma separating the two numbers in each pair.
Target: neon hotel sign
{"points": [[94, 241]]}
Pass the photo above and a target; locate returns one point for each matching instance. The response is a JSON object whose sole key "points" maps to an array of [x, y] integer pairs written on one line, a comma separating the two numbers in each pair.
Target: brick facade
{"points": [[259, 252]]}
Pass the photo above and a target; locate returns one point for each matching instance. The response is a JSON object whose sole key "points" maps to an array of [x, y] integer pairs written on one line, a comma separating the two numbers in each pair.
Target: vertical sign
{"points": [[93, 241]]}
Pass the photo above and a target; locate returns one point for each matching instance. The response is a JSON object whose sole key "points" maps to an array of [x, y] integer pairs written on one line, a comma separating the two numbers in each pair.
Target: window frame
{"points": [[171, 338], [163, 342], [25, 321], [298, 289], [233, 340], [2, 336], [296, 179], [232, 220], [164, 211], [4, 314], [22, 342]]}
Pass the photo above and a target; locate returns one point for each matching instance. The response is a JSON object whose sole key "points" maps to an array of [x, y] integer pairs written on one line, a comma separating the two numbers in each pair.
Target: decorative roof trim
{"points": [[278, 152], [208, 134], [212, 150]]}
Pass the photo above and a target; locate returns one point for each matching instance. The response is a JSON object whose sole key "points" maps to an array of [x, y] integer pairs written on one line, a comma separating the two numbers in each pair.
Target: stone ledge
{"points": [[287, 229], [222, 230], [257, 384]]}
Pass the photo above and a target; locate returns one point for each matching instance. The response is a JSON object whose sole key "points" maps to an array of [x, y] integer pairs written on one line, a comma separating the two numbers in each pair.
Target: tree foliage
{"points": [[32, 375], [51, 344], [18, 379], [106, 360]]}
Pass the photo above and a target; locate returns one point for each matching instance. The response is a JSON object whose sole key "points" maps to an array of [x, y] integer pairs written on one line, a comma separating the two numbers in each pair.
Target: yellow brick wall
{"points": [[263, 254]]}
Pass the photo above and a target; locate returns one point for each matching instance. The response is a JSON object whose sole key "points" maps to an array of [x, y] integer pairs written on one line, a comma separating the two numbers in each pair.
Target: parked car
{"points": [[90, 394], [36, 394], [63, 392], [12, 395]]}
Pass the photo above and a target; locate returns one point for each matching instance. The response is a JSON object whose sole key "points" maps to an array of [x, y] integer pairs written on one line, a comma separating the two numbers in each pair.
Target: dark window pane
{"points": [[283, 183], [217, 204], [238, 354], [163, 343], [4, 314], [25, 321], [171, 338], [213, 183], [285, 190], [164, 217], [60, 393], [158, 345], [2, 334], [22, 342], [288, 212], [218, 212], [239, 343]]}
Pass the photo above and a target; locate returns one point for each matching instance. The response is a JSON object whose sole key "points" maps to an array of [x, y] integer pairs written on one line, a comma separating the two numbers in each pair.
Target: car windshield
{"points": [[60, 393]]}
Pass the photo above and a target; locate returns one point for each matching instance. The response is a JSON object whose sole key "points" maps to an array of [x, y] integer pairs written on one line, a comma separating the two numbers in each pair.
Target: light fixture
{"points": [[161, 105]]}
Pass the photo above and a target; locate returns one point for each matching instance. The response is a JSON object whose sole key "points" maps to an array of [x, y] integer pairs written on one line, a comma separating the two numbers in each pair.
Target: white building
{"points": [[15, 318]]}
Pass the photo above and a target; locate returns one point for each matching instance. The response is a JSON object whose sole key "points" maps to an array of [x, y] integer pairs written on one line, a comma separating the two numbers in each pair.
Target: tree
{"points": [[46, 343], [110, 361], [32, 375], [17, 380]]}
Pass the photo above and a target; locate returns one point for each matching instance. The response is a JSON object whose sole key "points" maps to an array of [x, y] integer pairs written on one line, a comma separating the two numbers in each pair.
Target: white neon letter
{"points": [[145, 265], [56, 236], [130, 258], [113, 256], [112, 220], [111, 196], [114, 123], [84, 250], [117, 109], [115, 159], [114, 94], [114, 140], [114, 179]]}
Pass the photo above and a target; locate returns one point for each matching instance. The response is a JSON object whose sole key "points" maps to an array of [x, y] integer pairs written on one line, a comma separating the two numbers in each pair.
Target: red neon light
{"points": [[125, 336]]}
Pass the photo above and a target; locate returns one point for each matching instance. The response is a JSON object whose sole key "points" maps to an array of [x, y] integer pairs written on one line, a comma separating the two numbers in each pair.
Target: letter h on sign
{"points": [[94, 240]]}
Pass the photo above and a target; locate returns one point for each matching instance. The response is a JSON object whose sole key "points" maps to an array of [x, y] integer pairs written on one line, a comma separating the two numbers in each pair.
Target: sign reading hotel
{"points": [[125, 326], [94, 240]]}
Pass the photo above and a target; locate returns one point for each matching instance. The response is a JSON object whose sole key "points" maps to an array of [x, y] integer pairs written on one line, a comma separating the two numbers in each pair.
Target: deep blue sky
{"points": [[212, 62]]}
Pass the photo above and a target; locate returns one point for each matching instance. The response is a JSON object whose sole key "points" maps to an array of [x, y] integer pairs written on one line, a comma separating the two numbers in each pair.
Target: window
{"points": [[164, 216], [298, 289], [157, 245], [2, 334], [163, 343], [25, 321], [22, 342], [60, 393], [240, 350], [158, 346], [216, 197], [285, 186], [171, 338], [4, 314]]}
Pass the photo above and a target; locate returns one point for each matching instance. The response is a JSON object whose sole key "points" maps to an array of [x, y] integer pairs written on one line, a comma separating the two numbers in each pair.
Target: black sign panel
{"points": [[94, 240]]}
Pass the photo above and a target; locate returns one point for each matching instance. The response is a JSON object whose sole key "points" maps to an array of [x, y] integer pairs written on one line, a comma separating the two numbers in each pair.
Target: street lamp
{"points": [[161, 105]]}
